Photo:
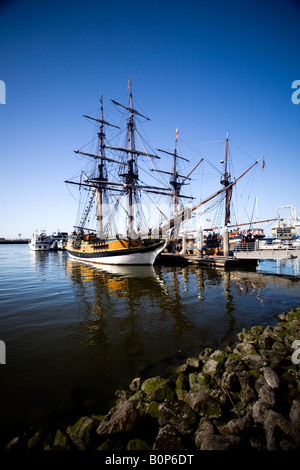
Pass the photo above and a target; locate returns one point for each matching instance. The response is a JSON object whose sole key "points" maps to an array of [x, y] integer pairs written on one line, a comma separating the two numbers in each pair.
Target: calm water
{"points": [[75, 333]]}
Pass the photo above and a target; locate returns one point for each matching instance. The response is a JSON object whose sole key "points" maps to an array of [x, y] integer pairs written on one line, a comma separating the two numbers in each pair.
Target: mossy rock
{"points": [[193, 362], [182, 386], [138, 444], [80, 432], [35, 440], [158, 389], [256, 331], [153, 409], [62, 441], [206, 380], [137, 396], [112, 445]]}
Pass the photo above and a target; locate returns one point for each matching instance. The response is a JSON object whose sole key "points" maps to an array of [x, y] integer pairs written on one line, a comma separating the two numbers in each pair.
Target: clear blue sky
{"points": [[206, 67]]}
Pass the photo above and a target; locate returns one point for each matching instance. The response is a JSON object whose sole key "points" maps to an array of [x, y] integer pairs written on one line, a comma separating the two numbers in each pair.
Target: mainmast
{"points": [[226, 183], [101, 166], [131, 176]]}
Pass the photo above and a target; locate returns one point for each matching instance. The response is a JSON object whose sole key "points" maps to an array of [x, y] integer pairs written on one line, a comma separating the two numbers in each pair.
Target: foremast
{"points": [[99, 183]]}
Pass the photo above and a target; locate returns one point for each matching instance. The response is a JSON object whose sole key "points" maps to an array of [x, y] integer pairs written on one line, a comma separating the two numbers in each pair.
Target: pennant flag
{"points": [[176, 134], [79, 183], [263, 164]]}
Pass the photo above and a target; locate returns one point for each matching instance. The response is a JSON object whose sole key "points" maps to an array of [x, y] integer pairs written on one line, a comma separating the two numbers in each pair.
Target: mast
{"points": [[226, 183], [99, 192], [100, 183], [131, 176], [174, 183], [181, 214]]}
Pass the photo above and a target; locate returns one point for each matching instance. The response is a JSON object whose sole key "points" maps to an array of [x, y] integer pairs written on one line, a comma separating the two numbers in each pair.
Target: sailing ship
{"points": [[213, 242], [97, 245]]}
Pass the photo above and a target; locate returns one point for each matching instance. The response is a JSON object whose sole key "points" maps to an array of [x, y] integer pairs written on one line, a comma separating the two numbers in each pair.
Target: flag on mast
{"points": [[263, 164], [176, 134]]}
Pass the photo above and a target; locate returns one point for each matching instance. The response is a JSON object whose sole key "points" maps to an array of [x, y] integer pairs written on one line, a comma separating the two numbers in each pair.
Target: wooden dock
{"points": [[210, 261]]}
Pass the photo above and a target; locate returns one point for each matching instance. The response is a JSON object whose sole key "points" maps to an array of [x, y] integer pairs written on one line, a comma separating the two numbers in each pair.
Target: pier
{"points": [[4, 241], [216, 261], [244, 256]]}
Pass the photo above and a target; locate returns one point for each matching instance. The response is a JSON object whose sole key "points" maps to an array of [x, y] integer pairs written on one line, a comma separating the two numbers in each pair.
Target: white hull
{"points": [[34, 247], [40, 242], [147, 258]]}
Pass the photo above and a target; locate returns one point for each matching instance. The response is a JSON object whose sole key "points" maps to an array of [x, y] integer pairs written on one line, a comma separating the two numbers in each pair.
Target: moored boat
{"points": [[40, 241]]}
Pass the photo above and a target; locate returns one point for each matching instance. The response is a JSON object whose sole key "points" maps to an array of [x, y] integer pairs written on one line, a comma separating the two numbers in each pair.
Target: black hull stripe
{"points": [[106, 254]]}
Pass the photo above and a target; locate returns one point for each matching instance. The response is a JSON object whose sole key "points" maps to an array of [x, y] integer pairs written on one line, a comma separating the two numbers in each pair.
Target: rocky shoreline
{"points": [[246, 396]]}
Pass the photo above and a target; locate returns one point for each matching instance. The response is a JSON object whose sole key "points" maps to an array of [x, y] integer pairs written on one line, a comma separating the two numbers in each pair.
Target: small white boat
{"points": [[40, 241]]}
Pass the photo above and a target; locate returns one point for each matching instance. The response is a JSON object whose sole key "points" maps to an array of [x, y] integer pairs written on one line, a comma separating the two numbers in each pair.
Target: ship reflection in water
{"points": [[144, 320], [83, 331]]}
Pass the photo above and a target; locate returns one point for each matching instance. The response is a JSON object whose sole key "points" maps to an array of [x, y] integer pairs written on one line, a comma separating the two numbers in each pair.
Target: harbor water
{"points": [[75, 333]]}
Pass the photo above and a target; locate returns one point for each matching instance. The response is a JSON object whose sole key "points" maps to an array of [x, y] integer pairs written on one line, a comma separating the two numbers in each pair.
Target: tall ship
{"points": [[109, 191], [209, 240]]}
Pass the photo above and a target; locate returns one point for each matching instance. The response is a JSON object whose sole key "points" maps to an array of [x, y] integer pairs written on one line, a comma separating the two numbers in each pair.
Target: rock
{"points": [[137, 444], [61, 441], [13, 443], [266, 341], [179, 414], [254, 361], [182, 386], [239, 427], [35, 440], [295, 414], [80, 432], [247, 393], [168, 438], [230, 381], [120, 418], [214, 365], [280, 432], [246, 348], [267, 396], [212, 442], [152, 409], [270, 377], [158, 389], [259, 410], [193, 362], [203, 404], [234, 363], [135, 384], [205, 428]]}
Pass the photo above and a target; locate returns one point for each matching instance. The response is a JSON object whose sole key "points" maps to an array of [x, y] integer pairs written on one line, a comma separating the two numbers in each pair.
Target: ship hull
{"points": [[139, 255]]}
